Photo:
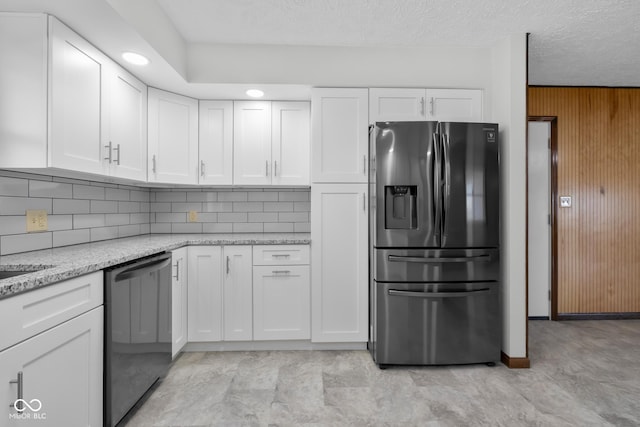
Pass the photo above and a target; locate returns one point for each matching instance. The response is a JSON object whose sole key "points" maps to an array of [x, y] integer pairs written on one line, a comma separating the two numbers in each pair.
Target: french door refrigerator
{"points": [[435, 243]]}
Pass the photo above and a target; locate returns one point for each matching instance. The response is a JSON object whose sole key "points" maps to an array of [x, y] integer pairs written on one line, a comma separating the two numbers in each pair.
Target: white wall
{"points": [[509, 110]]}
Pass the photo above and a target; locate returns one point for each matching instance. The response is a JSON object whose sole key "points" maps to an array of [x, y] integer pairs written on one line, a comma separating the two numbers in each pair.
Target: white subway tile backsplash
{"points": [[139, 196], [129, 230], [302, 206], [163, 228], [278, 227], [160, 207], [302, 227], [117, 219], [144, 228], [19, 205], [240, 196], [217, 207], [60, 222], [171, 217], [128, 207], [89, 221], [116, 194], [90, 192], [67, 206], [216, 227], [103, 206], [293, 196], [190, 227], [12, 224], [104, 233], [263, 217], [207, 217], [25, 242], [171, 196], [248, 207], [278, 206], [249, 227], [293, 216], [71, 237], [58, 190], [13, 186], [232, 217], [205, 196], [139, 218], [263, 196], [186, 207]]}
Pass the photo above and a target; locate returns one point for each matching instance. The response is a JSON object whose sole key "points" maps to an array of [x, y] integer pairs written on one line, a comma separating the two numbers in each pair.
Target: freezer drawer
{"points": [[437, 323], [445, 265]]}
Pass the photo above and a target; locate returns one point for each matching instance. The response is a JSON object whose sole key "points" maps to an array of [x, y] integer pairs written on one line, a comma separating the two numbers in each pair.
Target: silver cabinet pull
{"points": [[18, 403], [280, 271], [431, 106], [275, 168], [117, 162], [364, 165], [177, 271], [153, 161], [281, 255], [266, 168], [422, 106], [202, 168], [364, 202], [108, 148], [228, 266]]}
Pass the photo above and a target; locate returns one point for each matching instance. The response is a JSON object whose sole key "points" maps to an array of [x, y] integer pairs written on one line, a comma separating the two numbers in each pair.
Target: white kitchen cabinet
{"points": [[281, 292], [61, 375], [204, 293], [400, 104], [179, 298], [125, 138], [454, 105], [339, 136], [216, 142], [252, 143], [396, 104], [237, 293], [173, 138], [339, 256], [290, 143], [77, 73]]}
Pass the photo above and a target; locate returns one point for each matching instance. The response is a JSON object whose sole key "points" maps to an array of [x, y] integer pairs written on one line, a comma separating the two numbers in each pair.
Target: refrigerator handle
{"points": [[446, 176], [436, 183]]}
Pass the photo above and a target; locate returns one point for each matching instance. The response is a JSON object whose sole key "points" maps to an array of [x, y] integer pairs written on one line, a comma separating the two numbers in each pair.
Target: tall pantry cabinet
{"points": [[339, 215]]}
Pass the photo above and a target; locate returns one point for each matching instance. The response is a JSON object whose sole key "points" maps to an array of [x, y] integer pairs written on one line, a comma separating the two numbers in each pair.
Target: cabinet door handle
{"points": [[275, 168], [153, 161], [108, 148], [280, 271], [228, 269], [422, 106], [431, 106], [202, 172], [117, 161], [364, 202], [19, 401], [177, 270], [364, 165], [281, 255]]}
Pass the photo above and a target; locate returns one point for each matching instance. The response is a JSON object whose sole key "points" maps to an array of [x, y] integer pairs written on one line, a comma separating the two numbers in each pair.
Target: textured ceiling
{"points": [[572, 42]]}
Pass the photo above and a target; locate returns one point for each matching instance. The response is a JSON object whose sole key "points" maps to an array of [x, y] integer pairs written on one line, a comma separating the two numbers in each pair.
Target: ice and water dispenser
{"points": [[400, 206]]}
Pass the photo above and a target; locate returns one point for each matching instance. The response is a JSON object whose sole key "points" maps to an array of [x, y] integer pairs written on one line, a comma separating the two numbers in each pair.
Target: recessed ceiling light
{"points": [[135, 58], [255, 93]]}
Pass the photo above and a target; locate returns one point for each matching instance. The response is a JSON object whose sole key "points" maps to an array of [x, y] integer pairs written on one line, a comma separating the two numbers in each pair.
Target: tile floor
{"points": [[583, 373]]}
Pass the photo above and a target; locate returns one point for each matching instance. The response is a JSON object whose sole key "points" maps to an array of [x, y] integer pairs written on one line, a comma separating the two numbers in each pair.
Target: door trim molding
{"points": [[515, 362]]}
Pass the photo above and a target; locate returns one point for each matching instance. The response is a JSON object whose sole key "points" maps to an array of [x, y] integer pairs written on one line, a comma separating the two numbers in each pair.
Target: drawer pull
{"points": [[19, 401], [281, 255], [281, 271]]}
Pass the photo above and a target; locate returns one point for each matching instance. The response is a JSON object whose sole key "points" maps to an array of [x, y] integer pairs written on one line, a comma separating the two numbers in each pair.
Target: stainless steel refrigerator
{"points": [[435, 243]]}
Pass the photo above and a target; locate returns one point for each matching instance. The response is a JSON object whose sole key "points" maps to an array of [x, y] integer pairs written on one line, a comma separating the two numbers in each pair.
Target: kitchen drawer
{"points": [[281, 255], [30, 313]]}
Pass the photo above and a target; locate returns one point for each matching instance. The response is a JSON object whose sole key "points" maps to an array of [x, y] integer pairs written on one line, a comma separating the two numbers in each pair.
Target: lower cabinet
{"points": [[178, 300], [245, 293], [58, 372]]}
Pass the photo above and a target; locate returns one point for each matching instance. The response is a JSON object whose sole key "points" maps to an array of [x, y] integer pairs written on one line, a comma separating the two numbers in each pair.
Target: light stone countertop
{"points": [[54, 265]]}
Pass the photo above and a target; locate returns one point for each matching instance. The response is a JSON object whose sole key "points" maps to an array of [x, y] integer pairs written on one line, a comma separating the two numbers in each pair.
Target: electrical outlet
{"points": [[193, 216], [37, 221]]}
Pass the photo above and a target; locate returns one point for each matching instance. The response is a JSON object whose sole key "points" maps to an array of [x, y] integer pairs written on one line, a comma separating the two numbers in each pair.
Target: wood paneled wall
{"points": [[598, 165]]}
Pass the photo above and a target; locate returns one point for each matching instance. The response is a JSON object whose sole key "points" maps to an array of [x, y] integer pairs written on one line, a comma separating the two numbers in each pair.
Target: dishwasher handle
{"points": [[143, 268]]}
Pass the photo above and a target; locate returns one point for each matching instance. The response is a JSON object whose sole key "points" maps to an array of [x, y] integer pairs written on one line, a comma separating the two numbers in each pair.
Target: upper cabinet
{"points": [[459, 105], [340, 142], [216, 142], [271, 143], [125, 132], [173, 138], [70, 107]]}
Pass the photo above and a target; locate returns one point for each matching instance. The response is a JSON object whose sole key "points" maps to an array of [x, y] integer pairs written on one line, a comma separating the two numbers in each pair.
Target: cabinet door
{"points": [[405, 105], [339, 311], [454, 105], [178, 300], [61, 375], [205, 293], [76, 108], [252, 143], [281, 302], [173, 138], [340, 136], [216, 142], [238, 304], [290, 143], [125, 139]]}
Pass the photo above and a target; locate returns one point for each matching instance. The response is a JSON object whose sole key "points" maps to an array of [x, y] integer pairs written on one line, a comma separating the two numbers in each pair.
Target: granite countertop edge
{"points": [[50, 266]]}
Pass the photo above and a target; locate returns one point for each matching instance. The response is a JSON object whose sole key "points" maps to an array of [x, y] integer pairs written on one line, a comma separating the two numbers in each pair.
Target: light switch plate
{"points": [[565, 201], [193, 216], [37, 221]]}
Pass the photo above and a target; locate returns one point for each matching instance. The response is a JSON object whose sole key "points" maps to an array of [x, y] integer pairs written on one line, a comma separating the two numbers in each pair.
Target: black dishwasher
{"points": [[137, 332]]}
